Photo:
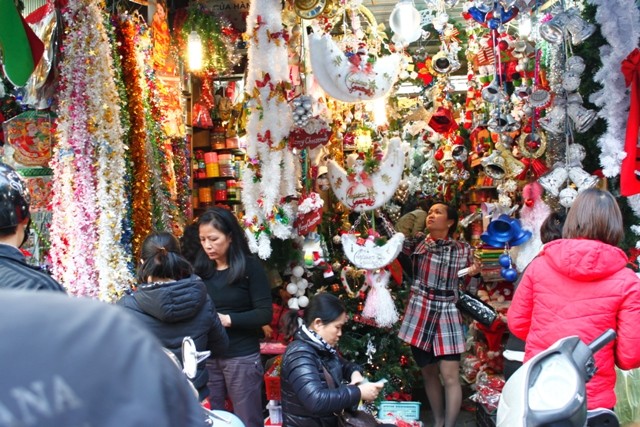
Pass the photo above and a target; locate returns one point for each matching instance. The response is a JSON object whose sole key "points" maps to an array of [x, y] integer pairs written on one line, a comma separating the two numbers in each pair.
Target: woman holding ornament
{"points": [[432, 324], [237, 283], [316, 382], [580, 285]]}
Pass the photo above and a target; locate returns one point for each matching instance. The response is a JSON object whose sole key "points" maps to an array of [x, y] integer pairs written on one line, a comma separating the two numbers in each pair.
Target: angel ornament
{"points": [[379, 305]]}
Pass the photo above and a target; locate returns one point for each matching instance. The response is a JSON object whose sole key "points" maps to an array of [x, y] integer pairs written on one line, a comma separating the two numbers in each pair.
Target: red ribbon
{"points": [[535, 166], [629, 181]]}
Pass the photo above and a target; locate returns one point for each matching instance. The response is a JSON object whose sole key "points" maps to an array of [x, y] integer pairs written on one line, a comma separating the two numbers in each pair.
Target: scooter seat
{"points": [[602, 418]]}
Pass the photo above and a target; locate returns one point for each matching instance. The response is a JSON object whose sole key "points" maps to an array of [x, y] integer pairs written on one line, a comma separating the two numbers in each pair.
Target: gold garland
{"points": [[141, 191]]}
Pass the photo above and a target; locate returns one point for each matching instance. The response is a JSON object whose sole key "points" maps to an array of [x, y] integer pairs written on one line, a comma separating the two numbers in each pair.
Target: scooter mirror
{"points": [[191, 357]]}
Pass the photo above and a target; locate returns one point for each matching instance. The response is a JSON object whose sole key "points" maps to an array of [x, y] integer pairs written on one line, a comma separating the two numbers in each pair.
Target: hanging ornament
{"points": [[379, 305], [365, 187], [405, 22], [365, 253], [301, 110], [352, 76]]}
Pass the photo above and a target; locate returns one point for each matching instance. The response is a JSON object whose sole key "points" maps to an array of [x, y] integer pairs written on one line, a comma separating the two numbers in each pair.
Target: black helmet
{"points": [[14, 198]]}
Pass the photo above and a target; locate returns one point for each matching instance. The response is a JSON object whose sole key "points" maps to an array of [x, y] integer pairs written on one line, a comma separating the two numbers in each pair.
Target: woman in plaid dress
{"points": [[432, 324]]}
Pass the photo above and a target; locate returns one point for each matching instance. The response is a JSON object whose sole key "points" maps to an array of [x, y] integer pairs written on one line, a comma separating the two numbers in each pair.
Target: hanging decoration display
{"points": [[40, 87], [619, 22], [30, 137], [366, 253], [371, 182], [351, 76], [218, 35], [269, 175], [532, 214], [88, 165], [127, 28]]}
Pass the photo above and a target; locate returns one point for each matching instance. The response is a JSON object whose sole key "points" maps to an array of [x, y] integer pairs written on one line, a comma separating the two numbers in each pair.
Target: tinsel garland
{"points": [[126, 31], [182, 172], [620, 26], [166, 215], [113, 261], [88, 183], [270, 172], [125, 122]]}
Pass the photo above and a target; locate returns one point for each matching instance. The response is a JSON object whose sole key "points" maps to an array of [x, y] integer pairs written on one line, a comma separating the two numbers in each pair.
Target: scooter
{"points": [[191, 357], [549, 389]]}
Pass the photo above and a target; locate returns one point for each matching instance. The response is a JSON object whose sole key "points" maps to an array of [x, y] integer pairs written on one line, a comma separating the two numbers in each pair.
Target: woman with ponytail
{"points": [[173, 303]]}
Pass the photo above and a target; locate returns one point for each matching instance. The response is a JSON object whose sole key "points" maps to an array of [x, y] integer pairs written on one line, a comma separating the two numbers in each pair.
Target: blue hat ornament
{"points": [[505, 230]]}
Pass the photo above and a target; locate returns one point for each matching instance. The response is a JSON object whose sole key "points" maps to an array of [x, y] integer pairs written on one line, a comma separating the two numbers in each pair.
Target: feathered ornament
{"points": [[379, 305], [532, 215]]}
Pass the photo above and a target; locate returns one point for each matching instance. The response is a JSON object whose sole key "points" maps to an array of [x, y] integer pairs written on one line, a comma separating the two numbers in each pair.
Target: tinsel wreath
{"points": [[127, 26], [88, 183], [620, 26], [270, 172]]}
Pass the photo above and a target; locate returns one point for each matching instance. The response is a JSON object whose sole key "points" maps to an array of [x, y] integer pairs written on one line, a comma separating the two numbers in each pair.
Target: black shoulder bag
{"points": [[348, 418], [479, 310]]}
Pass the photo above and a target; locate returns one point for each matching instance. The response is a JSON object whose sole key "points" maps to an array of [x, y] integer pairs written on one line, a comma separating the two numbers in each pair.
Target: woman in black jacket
{"points": [[173, 303], [308, 400]]}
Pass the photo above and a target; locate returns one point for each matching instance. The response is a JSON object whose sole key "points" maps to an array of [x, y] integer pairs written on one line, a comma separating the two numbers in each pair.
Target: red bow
{"points": [[536, 167], [629, 182], [265, 138], [265, 80], [631, 66]]}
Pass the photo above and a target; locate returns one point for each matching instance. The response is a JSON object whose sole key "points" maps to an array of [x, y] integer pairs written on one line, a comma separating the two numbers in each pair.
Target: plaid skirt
{"points": [[433, 323]]}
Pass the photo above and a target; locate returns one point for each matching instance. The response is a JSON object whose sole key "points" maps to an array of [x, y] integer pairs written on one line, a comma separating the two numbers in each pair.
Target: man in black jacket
{"points": [[81, 362], [14, 230]]}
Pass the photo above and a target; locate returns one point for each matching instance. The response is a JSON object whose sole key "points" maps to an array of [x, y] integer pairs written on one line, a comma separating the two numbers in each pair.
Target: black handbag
{"points": [[347, 418], [479, 310], [356, 419]]}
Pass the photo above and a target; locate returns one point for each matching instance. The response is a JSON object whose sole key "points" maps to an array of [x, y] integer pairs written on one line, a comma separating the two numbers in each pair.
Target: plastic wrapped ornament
{"points": [[302, 108]]}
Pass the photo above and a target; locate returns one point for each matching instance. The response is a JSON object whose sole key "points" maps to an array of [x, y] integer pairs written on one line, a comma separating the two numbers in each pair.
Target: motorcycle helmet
{"points": [[14, 198]]}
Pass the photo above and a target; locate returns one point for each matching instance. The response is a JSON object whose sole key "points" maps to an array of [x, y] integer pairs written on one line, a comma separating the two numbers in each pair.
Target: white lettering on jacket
{"points": [[40, 399]]}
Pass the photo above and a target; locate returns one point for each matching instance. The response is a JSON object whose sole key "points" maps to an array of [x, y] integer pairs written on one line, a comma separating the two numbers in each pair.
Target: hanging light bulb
{"points": [[405, 21], [194, 46], [524, 25]]}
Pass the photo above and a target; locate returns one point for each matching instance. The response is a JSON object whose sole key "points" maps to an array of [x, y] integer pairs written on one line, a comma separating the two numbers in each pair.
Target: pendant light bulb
{"points": [[405, 21], [194, 46]]}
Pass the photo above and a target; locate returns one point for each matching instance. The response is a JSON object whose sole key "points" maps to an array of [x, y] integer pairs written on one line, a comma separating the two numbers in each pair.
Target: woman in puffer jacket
{"points": [[173, 303], [580, 285], [308, 400]]}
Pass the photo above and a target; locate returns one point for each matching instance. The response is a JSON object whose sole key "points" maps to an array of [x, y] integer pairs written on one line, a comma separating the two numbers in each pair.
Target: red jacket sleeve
{"points": [[627, 348]]}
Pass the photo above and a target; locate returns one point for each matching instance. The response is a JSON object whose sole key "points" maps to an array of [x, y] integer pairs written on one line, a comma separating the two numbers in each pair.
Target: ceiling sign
{"points": [[235, 10]]}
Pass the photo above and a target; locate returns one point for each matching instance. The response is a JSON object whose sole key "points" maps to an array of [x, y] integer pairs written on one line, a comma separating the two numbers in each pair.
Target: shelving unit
{"points": [[217, 159]]}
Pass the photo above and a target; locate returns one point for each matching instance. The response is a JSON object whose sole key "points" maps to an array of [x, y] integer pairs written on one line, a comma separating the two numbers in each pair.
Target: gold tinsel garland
{"points": [[127, 29]]}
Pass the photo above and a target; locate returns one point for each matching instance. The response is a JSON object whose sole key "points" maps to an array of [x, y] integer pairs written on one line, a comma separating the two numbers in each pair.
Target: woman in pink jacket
{"points": [[580, 285]]}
